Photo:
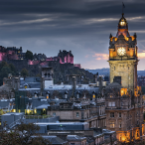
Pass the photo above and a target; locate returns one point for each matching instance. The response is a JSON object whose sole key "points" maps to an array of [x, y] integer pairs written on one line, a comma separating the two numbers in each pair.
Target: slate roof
{"points": [[44, 106], [75, 138], [5, 87], [53, 139]]}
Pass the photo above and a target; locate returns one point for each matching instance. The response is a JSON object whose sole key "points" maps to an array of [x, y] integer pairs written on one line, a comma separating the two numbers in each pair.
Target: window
{"points": [[137, 134], [78, 96], [111, 104], [112, 114], [112, 124], [77, 114], [54, 114], [120, 124], [72, 143], [119, 114], [120, 138], [65, 96]]}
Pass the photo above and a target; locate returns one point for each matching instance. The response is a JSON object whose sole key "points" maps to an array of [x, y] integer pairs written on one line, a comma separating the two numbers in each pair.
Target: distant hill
{"points": [[106, 71], [103, 71]]}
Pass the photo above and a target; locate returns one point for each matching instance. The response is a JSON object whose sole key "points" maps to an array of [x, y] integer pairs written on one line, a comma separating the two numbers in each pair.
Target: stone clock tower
{"points": [[123, 58]]}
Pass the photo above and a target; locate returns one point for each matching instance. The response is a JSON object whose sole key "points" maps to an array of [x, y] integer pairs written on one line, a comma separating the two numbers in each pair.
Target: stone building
{"points": [[124, 100]]}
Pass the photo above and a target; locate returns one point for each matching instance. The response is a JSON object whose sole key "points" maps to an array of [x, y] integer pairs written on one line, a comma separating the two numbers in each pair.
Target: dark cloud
{"points": [[82, 26]]}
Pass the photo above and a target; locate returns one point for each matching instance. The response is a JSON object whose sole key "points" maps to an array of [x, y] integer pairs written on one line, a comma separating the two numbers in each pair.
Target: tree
{"points": [[22, 135], [24, 72], [12, 67], [6, 69], [29, 55]]}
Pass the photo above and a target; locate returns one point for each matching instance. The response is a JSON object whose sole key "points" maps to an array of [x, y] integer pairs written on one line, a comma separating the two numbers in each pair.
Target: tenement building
{"points": [[124, 101]]}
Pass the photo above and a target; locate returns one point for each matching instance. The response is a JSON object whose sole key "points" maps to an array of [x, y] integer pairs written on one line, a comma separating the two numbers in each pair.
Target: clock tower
{"points": [[123, 58]]}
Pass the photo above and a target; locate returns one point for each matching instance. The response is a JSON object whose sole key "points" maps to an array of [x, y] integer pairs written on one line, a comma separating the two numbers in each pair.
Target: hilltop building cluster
{"points": [[12, 54]]}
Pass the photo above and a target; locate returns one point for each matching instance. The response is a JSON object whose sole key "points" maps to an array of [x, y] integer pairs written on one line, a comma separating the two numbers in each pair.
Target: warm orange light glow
{"points": [[137, 134], [139, 88], [131, 53], [133, 38], [111, 39], [126, 38], [115, 39], [124, 136], [123, 91], [111, 53]]}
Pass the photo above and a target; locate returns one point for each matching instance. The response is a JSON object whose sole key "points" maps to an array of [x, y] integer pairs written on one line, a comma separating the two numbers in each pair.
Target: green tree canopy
{"points": [[22, 135], [24, 72], [29, 55], [6, 69]]}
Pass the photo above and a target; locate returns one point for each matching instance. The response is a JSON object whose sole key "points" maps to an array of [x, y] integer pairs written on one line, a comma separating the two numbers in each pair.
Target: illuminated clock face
{"points": [[121, 51], [122, 23]]}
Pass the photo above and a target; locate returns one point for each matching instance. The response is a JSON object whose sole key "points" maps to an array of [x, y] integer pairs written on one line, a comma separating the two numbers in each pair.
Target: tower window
{"points": [[119, 114], [114, 67]]}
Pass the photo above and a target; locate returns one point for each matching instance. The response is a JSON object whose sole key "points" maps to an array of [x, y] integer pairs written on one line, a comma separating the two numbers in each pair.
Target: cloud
{"points": [[141, 55], [83, 26], [101, 56]]}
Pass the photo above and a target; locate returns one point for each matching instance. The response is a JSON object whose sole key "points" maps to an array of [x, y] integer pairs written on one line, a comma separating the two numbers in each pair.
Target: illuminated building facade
{"points": [[123, 58], [124, 99]]}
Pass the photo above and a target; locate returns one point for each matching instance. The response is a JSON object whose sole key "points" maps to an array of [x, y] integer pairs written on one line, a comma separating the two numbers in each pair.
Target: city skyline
{"points": [[80, 26]]}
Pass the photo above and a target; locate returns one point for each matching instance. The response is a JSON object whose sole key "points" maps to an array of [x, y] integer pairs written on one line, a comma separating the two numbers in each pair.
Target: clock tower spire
{"points": [[123, 58]]}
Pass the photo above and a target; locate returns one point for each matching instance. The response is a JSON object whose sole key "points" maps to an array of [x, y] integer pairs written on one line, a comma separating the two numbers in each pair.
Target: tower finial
{"points": [[123, 6]]}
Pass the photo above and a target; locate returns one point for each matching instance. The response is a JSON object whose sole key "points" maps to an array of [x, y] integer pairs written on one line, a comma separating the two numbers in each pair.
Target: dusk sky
{"points": [[82, 26]]}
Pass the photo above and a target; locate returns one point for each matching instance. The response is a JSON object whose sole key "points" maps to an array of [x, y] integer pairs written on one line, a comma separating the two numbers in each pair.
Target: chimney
{"points": [[100, 83], [73, 85]]}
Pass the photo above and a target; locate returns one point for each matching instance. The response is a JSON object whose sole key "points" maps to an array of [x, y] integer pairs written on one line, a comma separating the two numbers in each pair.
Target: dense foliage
{"points": [[6, 69], [29, 55], [24, 72], [22, 135]]}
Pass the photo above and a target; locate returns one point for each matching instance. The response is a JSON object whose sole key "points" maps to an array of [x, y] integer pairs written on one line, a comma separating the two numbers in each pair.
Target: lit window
{"points": [[94, 96], [47, 97], [112, 114], [112, 124], [120, 138]]}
